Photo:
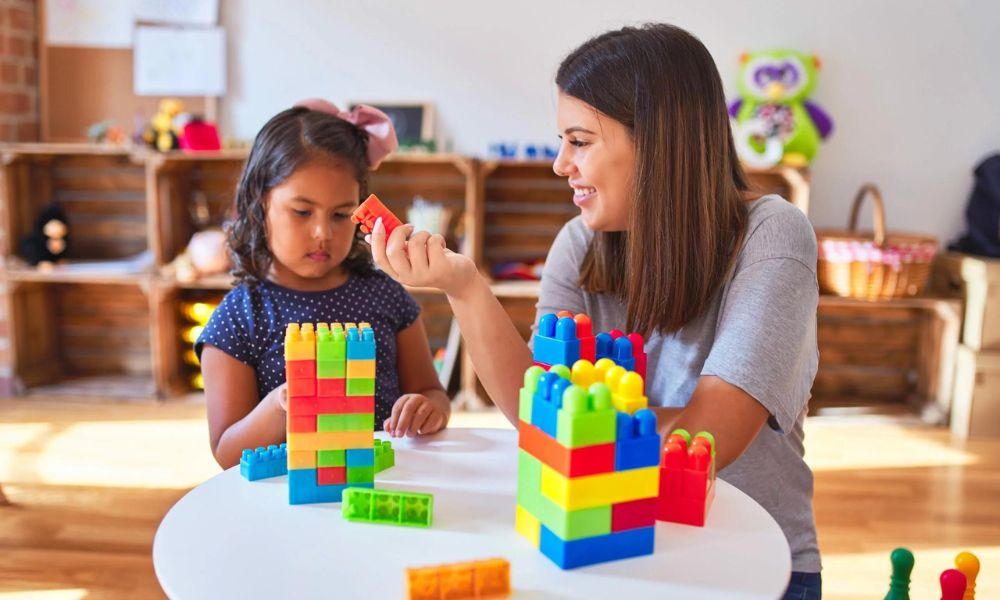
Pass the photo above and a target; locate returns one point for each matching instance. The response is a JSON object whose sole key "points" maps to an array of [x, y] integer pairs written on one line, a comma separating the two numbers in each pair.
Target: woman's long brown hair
{"points": [[688, 216]]}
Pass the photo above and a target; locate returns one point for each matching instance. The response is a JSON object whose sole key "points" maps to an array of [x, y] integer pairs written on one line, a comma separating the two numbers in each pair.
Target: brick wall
{"points": [[19, 122], [18, 71]]}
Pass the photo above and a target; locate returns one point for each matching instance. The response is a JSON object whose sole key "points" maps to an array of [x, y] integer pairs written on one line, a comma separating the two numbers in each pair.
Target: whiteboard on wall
{"points": [[178, 12], [91, 23], [177, 61]]}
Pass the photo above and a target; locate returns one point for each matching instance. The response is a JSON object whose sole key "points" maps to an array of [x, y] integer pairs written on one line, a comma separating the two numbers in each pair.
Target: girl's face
{"points": [[598, 158], [309, 228]]}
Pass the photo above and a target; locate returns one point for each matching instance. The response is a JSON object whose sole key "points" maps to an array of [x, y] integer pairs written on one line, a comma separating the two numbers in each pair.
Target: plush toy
{"points": [[49, 239], [774, 108], [163, 131]]}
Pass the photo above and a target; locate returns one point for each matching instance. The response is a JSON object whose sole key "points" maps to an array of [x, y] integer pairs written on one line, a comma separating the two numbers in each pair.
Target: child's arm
{"points": [[497, 350], [236, 420], [424, 406]]}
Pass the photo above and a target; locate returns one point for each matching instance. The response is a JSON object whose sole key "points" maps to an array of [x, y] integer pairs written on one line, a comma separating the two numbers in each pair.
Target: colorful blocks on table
{"points": [[567, 524], [263, 463], [388, 507], [637, 444], [687, 479], [467, 580], [589, 551], [360, 387], [360, 369], [303, 488], [555, 341], [325, 440], [586, 417]]}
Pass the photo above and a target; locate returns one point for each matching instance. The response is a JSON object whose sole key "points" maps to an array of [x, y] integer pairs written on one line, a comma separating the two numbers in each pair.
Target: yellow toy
{"points": [[163, 133]]}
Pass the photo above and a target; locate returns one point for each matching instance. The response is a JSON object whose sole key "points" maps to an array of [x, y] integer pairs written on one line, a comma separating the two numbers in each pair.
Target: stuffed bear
{"points": [[48, 240]]}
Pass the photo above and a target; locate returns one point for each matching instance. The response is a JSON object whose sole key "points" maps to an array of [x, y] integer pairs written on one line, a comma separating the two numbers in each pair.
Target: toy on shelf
{"points": [[48, 241], [588, 474], [388, 507], [199, 135], [164, 129], [774, 110], [489, 578], [330, 377], [106, 132], [262, 463], [369, 211], [687, 478]]}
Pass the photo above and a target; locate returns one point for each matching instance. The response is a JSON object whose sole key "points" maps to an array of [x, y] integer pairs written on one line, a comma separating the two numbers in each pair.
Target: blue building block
{"points": [[603, 346], [262, 463], [361, 457], [638, 443], [598, 549], [547, 402], [303, 489], [622, 353], [555, 342], [361, 346]]}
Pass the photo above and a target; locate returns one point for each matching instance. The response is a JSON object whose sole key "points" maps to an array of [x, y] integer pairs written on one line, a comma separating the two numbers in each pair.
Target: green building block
{"points": [[587, 417], [568, 525], [331, 369], [360, 387], [331, 345], [389, 507], [531, 377], [331, 458], [346, 422], [385, 456], [360, 475]]}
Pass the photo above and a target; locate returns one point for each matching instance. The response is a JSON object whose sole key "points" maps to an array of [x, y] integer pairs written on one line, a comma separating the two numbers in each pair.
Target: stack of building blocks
{"points": [[488, 578], [564, 338], [389, 507], [330, 373], [369, 212], [385, 456], [588, 474], [687, 478], [262, 463]]}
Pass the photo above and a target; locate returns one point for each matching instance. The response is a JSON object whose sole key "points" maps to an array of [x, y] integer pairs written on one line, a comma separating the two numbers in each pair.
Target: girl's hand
{"points": [[278, 398], [420, 261], [416, 414]]}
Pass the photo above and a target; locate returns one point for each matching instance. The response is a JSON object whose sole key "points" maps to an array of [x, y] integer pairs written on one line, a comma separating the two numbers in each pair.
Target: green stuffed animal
{"points": [[774, 86]]}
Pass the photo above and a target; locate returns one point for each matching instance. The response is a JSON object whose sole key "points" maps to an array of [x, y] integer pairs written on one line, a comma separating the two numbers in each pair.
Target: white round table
{"points": [[231, 538]]}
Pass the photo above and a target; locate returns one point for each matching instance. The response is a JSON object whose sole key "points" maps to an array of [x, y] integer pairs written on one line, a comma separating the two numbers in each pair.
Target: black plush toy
{"points": [[48, 240]]}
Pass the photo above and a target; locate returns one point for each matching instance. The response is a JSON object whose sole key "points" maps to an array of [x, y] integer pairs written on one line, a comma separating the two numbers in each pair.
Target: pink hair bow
{"points": [[381, 134]]}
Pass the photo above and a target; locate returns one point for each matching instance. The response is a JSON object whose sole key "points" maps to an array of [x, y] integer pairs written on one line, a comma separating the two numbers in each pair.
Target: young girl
{"points": [[670, 242], [299, 258]]}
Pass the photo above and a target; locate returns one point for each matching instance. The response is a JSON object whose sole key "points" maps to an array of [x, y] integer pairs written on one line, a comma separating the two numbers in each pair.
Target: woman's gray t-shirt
{"points": [[758, 333]]}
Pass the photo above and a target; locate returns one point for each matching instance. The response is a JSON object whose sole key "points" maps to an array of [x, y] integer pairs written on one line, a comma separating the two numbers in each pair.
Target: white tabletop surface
{"points": [[232, 538]]}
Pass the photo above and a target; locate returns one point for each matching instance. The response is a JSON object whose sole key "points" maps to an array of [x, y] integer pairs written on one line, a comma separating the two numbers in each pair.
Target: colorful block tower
{"points": [[588, 475], [687, 478], [331, 410], [564, 338]]}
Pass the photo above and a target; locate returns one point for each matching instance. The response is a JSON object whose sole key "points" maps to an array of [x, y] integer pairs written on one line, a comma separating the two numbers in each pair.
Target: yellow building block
{"points": [[586, 374], [361, 369], [302, 459], [600, 490], [527, 525], [629, 397], [300, 342], [331, 440]]}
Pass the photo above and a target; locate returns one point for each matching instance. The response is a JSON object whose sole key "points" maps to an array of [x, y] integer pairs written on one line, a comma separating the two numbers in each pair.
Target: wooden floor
{"points": [[89, 483]]}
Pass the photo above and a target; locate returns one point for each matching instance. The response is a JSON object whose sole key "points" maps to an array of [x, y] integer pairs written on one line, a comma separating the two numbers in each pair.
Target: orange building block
{"points": [[488, 578], [570, 462]]}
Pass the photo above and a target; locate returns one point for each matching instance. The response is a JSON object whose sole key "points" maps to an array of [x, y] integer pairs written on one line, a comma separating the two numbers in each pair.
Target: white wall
{"points": [[913, 86]]}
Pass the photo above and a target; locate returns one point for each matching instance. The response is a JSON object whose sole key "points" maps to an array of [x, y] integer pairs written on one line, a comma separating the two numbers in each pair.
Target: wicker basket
{"points": [[873, 265]]}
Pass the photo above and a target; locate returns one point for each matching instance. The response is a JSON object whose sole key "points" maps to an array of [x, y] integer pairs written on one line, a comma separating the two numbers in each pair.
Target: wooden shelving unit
{"points": [[87, 329]]}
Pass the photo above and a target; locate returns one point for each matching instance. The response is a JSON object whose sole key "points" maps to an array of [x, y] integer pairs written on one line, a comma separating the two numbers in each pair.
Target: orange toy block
{"points": [[476, 579], [370, 210], [570, 462]]}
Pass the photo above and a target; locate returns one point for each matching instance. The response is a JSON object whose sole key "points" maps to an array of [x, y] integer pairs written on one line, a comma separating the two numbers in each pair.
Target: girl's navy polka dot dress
{"points": [[249, 325]]}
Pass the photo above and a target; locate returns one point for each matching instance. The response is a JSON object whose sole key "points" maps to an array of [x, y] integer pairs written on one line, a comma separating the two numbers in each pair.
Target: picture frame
{"points": [[414, 121]]}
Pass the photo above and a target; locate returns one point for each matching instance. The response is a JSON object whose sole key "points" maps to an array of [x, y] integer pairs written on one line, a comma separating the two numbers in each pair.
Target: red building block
{"points": [[570, 462], [638, 353], [687, 481], [634, 514], [331, 475], [328, 388], [369, 211], [300, 369], [301, 388], [330, 406], [301, 423]]}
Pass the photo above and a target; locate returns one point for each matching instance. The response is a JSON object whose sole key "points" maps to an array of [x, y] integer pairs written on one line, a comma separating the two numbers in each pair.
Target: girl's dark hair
{"points": [[288, 141], [688, 217]]}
